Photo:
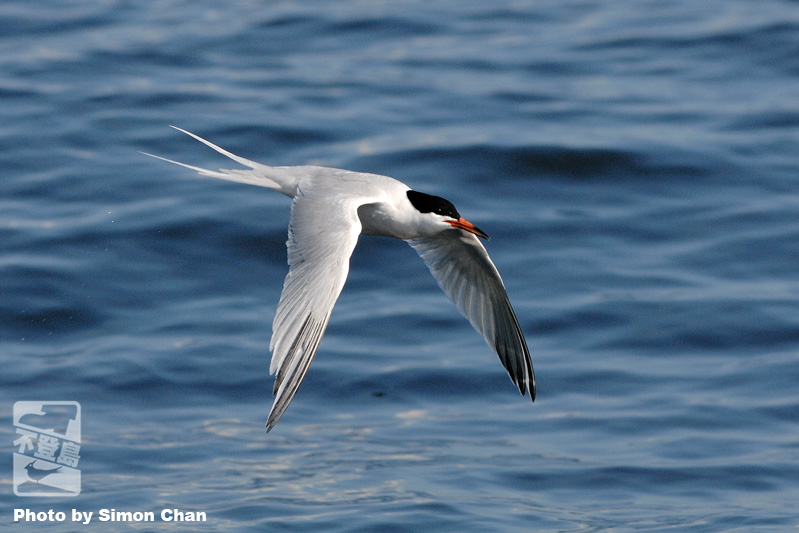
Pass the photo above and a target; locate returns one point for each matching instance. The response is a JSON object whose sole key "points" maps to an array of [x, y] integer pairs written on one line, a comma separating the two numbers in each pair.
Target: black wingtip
{"points": [[524, 391]]}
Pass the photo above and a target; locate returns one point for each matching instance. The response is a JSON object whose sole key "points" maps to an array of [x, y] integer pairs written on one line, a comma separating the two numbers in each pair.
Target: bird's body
{"points": [[37, 474], [330, 209]]}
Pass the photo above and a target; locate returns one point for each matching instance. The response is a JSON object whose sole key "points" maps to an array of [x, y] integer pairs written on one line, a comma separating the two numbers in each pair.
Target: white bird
{"points": [[330, 208]]}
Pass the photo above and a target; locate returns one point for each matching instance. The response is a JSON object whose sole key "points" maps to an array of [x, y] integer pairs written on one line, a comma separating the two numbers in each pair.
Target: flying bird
{"points": [[330, 209]]}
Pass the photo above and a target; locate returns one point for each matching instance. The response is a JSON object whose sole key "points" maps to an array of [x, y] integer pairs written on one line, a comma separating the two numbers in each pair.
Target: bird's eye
{"points": [[427, 203]]}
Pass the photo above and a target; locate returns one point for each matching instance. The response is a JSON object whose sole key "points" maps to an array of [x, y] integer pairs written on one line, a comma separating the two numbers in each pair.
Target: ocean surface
{"points": [[636, 165]]}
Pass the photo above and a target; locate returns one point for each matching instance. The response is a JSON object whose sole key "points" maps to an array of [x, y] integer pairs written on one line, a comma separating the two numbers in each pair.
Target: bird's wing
{"points": [[323, 232], [461, 265]]}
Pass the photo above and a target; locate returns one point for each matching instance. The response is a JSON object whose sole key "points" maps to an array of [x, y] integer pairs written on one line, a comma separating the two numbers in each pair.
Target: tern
{"points": [[37, 474], [330, 209]]}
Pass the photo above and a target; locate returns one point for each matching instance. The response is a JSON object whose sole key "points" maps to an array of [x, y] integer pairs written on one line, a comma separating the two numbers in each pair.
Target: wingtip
{"points": [[524, 392], [271, 420], [524, 388]]}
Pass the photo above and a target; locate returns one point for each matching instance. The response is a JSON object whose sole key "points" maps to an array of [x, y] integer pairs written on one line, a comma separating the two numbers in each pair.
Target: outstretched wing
{"points": [[461, 265], [322, 236]]}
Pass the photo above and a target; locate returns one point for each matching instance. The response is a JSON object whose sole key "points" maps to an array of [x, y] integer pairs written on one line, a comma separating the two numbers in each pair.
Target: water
{"points": [[636, 169]]}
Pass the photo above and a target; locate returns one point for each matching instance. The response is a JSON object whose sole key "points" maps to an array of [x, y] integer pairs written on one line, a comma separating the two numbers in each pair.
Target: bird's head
{"points": [[441, 214]]}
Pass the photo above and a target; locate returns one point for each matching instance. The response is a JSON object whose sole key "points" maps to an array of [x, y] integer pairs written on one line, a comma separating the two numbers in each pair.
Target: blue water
{"points": [[637, 168]]}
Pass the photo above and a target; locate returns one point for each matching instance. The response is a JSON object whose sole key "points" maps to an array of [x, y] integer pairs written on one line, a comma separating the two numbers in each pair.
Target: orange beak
{"points": [[465, 225]]}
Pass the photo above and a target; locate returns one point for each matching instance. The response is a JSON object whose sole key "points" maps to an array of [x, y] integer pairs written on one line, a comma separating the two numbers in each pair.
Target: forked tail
{"points": [[281, 179]]}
